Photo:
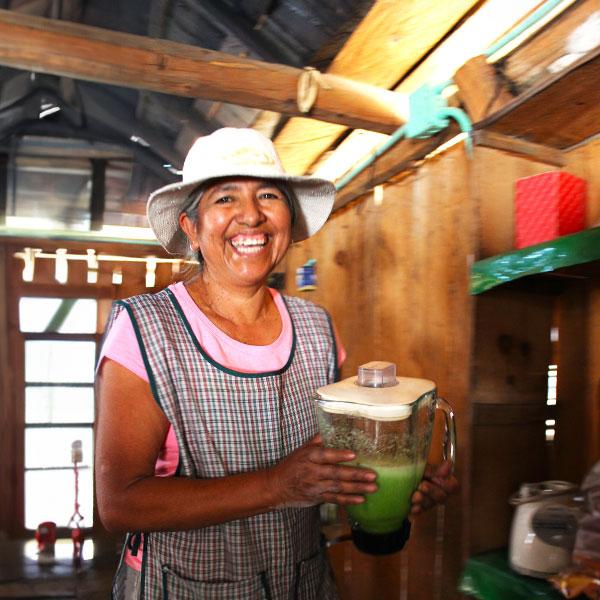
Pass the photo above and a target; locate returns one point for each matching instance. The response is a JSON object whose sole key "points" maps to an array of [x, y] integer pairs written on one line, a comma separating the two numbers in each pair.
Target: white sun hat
{"points": [[233, 152]]}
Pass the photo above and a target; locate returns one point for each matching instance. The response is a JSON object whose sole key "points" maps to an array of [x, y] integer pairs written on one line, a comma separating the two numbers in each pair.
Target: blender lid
{"points": [[375, 393]]}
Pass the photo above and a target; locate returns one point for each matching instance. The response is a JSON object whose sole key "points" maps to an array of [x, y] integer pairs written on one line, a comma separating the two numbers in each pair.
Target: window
{"points": [[60, 354], [61, 199]]}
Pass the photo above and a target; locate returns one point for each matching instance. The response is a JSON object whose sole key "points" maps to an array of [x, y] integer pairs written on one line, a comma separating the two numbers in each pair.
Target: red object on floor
{"points": [[547, 206], [78, 538], [45, 535]]}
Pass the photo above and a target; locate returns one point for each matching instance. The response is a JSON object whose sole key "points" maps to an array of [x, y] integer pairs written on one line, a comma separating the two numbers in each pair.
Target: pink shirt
{"points": [[121, 345]]}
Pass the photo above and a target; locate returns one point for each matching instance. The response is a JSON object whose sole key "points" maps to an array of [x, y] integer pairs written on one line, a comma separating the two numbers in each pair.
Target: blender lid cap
{"points": [[385, 402]]}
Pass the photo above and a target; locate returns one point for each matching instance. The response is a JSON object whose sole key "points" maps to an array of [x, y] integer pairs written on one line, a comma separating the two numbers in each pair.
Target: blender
{"points": [[387, 421]]}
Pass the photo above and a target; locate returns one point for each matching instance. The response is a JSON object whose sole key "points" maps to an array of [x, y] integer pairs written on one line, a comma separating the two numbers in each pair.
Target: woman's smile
{"points": [[249, 244]]}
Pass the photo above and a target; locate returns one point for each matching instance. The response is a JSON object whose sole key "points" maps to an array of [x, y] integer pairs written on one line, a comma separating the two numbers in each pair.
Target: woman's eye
{"points": [[223, 200], [270, 195]]}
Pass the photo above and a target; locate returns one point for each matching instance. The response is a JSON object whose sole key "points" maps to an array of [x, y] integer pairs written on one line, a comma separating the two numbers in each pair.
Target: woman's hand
{"points": [[313, 474], [437, 484]]}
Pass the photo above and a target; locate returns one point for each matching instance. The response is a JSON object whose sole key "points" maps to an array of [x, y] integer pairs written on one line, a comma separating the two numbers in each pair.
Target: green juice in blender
{"points": [[387, 422], [384, 510]]}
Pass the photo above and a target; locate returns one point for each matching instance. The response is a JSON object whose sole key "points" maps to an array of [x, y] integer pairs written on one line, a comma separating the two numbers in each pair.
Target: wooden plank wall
{"points": [[509, 394], [7, 441], [511, 353], [584, 161], [395, 279]]}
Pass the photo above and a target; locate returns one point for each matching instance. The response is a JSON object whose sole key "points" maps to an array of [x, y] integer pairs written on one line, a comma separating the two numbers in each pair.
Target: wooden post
{"points": [[3, 186], [98, 194]]}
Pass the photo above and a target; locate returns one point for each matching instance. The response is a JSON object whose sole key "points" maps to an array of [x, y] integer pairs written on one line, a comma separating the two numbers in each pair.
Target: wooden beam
{"points": [[492, 19], [555, 45], [90, 53], [397, 159], [538, 152], [481, 91], [391, 39], [560, 112]]}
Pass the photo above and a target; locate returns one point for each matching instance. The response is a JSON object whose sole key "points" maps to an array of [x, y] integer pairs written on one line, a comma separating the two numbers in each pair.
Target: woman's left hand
{"points": [[435, 487]]}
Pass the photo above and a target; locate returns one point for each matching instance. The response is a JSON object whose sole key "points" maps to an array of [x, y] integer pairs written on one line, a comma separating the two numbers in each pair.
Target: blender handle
{"points": [[449, 449]]}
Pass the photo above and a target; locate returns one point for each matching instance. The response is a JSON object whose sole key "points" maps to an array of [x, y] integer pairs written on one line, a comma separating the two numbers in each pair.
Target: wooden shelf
{"points": [[566, 251]]}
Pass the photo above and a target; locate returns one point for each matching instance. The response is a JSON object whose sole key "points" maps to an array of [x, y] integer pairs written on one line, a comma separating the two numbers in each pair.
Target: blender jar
{"points": [[387, 422]]}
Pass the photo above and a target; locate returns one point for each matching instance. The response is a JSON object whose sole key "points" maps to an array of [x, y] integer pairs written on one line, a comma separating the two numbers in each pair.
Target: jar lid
{"points": [[376, 393]]}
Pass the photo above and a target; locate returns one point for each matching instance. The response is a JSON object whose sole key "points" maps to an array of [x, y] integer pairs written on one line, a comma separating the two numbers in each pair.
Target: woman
{"points": [[206, 431]]}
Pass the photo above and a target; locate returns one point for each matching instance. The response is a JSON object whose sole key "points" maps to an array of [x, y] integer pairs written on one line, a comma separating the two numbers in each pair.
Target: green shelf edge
{"points": [[565, 251]]}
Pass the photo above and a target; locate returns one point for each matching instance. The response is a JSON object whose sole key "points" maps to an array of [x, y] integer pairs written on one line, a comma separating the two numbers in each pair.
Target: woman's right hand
{"points": [[313, 474]]}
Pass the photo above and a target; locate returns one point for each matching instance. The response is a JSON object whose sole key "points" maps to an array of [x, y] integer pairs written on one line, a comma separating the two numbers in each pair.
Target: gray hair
{"points": [[191, 211]]}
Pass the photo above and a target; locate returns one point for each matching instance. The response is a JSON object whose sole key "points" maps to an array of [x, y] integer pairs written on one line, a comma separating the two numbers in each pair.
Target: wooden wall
{"points": [[584, 161], [395, 279], [511, 352]]}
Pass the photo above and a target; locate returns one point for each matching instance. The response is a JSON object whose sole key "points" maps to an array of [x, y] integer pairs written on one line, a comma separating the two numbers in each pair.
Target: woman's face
{"points": [[243, 230]]}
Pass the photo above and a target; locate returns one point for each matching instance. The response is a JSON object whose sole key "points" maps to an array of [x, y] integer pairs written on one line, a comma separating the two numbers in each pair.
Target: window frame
{"points": [[63, 337], [18, 500]]}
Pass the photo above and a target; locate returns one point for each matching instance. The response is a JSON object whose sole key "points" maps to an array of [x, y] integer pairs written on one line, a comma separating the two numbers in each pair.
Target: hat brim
{"points": [[314, 200]]}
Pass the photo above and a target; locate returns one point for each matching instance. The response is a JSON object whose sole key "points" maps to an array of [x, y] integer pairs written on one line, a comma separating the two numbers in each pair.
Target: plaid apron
{"points": [[228, 422]]}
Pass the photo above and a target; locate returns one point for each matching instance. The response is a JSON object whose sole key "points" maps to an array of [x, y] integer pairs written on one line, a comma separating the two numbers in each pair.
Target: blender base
{"points": [[381, 543]]}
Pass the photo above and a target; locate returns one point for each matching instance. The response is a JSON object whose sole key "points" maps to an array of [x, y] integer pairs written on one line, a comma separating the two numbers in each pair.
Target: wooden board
{"points": [[511, 354], [570, 460], [7, 442], [16, 408], [395, 279], [482, 27], [480, 89], [592, 394], [512, 347], [519, 147], [504, 456], [401, 157], [561, 112], [584, 162], [540, 56], [382, 49], [495, 193], [90, 53]]}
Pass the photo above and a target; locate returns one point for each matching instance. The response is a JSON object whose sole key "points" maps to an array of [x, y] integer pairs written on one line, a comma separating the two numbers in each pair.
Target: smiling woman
{"points": [[206, 437], [206, 428]]}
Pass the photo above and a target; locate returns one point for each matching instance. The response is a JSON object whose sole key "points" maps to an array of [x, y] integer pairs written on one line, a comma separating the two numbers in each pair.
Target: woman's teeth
{"points": [[251, 245]]}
